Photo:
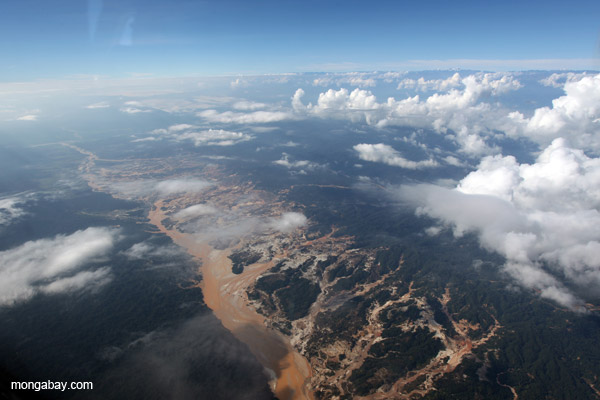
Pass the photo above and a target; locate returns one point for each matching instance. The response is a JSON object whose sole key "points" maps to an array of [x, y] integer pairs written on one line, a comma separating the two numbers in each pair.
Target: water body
{"points": [[224, 293]]}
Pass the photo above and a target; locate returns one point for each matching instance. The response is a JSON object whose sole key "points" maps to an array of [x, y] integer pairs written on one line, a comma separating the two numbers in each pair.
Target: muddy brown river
{"points": [[225, 293]]}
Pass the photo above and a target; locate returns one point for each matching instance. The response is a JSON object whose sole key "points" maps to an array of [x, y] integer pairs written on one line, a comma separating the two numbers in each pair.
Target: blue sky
{"points": [[62, 38]]}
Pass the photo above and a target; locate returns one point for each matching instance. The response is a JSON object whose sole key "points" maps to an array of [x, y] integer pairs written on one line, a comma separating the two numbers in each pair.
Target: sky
{"points": [[69, 38]]}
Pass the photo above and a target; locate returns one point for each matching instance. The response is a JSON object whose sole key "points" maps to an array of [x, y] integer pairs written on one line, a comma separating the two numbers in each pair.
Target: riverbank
{"points": [[225, 293]]}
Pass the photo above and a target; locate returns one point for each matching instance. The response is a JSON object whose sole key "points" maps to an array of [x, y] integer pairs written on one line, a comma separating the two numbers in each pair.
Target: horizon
{"points": [[119, 39]]}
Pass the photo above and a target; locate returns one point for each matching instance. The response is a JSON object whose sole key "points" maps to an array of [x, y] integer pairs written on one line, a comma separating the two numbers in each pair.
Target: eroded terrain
{"points": [[322, 315]]}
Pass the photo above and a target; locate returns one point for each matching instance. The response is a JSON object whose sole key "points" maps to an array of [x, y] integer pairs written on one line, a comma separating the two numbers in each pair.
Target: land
{"points": [[331, 310]]}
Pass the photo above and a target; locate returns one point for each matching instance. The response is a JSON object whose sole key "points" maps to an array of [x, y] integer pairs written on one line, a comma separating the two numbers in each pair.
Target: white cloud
{"points": [[9, 210], [357, 79], [177, 105], [575, 116], [237, 222], [102, 104], [433, 230], [139, 250], [146, 139], [47, 265], [424, 85], [458, 111], [238, 83], [88, 280], [288, 222], [558, 80], [196, 211], [256, 117], [189, 185], [145, 250], [133, 110], [210, 137], [298, 164], [451, 160], [215, 137], [562, 178], [173, 129], [542, 217], [356, 105], [245, 105], [340, 100], [152, 187], [134, 107], [362, 82], [322, 81], [387, 155], [29, 117], [180, 127], [297, 104]]}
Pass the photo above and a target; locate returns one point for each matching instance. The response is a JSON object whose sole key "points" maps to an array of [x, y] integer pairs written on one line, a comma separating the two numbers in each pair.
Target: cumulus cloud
{"points": [[543, 217], [342, 100], [173, 132], [195, 211], [225, 227], [297, 104], [451, 160], [256, 117], [49, 265], [297, 164], [287, 222], [458, 113], [558, 80], [575, 116], [322, 81], [10, 210], [356, 105], [176, 128], [387, 155], [391, 76], [174, 186], [200, 137], [362, 82], [134, 107], [214, 137], [152, 187]]}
